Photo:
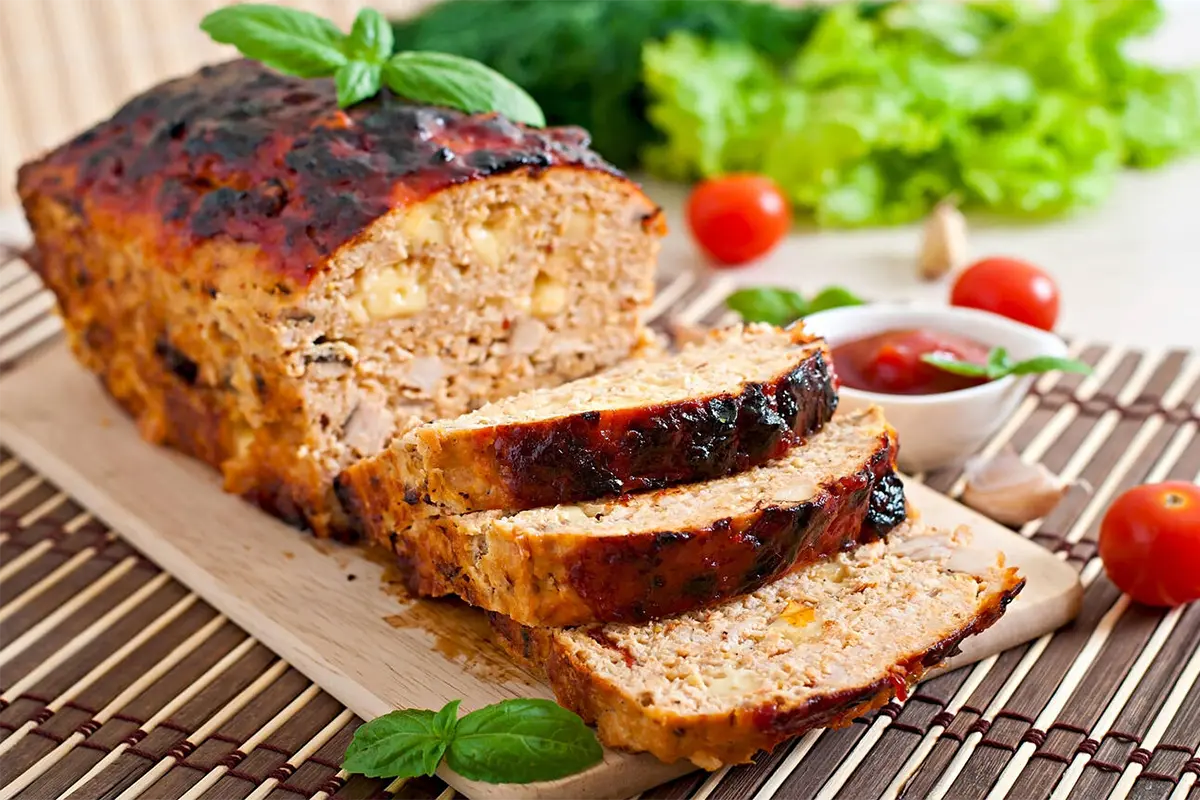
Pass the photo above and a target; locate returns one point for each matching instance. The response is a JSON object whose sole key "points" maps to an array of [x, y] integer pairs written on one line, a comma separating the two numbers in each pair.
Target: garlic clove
{"points": [[1010, 490], [944, 241]]}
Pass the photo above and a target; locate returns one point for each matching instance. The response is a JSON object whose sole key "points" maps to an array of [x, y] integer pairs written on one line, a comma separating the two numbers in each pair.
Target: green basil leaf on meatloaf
{"points": [[522, 741], [356, 81], [291, 41], [402, 744], [308, 46], [448, 80], [370, 37]]}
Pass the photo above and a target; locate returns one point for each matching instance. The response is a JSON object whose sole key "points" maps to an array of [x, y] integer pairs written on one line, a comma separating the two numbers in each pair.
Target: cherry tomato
{"points": [[1150, 543], [1010, 288], [737, 218]]}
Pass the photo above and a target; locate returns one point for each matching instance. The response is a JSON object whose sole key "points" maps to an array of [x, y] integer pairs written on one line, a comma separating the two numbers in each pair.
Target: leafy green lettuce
{"points": [[1012, 107]]}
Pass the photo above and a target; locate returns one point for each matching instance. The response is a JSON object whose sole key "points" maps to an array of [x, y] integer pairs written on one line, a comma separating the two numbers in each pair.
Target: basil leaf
{"points": [[370, 37], [294, 42], [446, 720], [833, 297], [1049, 364], [966, 368], [768, 304], [448, 80], [356, 81], [997, 363], [402, 744], [522, 741]]}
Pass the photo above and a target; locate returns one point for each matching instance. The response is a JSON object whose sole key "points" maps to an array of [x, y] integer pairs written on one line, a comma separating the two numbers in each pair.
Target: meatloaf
{"points": [[278, 286], [740, 397], [816, 648], [648, 555]]}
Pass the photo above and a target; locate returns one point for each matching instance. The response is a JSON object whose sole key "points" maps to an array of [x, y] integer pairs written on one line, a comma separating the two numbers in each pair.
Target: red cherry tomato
{"points": [[1010, 288], [737, 218], [1150, 543]]}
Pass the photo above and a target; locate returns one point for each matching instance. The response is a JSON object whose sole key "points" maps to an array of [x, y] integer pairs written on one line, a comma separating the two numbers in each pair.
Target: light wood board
{"points": [[368, 647]]}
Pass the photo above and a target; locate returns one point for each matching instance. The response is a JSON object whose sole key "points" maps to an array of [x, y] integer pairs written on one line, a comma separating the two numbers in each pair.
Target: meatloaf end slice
{"points": [[739, 398], [816, 648], [649, 555], [278, 286]]}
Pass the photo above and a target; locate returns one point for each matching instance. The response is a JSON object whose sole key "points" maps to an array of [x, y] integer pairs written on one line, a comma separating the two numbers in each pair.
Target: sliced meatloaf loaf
{"points": [[737, 399], [648, 555], [277, 286], [816, 648]]}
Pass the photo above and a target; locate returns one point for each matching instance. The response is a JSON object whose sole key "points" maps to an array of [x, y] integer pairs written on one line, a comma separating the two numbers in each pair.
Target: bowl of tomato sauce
{"points": [[941, 418]]}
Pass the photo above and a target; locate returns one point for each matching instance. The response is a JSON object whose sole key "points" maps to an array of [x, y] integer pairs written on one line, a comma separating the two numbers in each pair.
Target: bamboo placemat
{"points": [[116, 681]]}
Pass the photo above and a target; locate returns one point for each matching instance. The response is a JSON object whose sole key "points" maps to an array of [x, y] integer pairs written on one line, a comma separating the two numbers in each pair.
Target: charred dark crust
{"points": [[240, 151], [586, 456], [888, 507], [643, 576]]}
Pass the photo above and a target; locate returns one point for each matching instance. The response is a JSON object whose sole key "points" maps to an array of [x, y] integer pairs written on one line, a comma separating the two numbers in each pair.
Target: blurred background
{"points": [[66, 64], [1058, 125]]}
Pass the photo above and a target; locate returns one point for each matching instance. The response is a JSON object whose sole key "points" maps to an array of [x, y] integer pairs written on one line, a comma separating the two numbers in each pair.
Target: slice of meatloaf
{"points": [[278, 286], [657, 553], [817, 648], [737, 399]]}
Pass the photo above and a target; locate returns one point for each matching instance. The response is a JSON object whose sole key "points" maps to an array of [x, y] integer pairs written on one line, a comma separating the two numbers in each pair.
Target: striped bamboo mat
{"points": [[117, 682]]}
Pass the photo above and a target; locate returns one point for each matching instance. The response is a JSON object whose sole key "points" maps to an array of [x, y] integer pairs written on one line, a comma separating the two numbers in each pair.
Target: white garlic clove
{"points": [[1010, 490], [944, 241]]}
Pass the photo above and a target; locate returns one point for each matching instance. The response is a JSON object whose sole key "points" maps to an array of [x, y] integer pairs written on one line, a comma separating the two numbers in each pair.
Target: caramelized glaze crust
{"points": [[576, 576], [569, 456], [596, 454], [277, 287], [268, 159]]}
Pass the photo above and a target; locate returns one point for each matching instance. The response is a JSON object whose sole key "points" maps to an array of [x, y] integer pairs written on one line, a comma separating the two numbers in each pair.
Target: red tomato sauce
{"points": [[890, 362]]}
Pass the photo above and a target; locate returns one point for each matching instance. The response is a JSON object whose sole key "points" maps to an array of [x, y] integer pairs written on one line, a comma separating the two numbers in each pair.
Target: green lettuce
{"points": [[878, 116]]}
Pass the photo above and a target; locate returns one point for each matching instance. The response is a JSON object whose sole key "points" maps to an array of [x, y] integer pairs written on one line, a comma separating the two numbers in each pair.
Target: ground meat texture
{"points": [[816, 648], [651, 555], [740, 397], [279, 287]]}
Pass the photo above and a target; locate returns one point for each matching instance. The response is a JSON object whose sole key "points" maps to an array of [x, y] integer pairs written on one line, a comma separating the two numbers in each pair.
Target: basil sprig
{"points": [[309, 46], [514, 741], [998, 365], [783, 306]]}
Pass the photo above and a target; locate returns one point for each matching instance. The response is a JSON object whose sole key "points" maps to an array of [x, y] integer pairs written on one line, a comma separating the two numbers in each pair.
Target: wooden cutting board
{"points": [[335, 613]]}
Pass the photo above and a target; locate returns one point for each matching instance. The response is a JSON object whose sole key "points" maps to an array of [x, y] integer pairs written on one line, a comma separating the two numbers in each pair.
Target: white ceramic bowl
{"points": [[937, 430]]}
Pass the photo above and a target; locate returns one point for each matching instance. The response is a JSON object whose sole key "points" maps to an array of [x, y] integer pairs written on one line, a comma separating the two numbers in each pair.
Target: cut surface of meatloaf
{"points": [[816, 648], [278, 286], [664, 552], [742, 396]]}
